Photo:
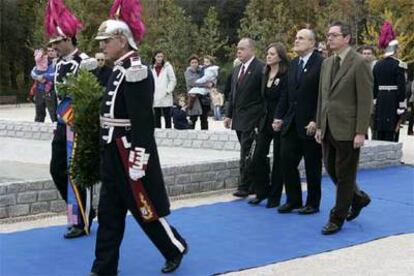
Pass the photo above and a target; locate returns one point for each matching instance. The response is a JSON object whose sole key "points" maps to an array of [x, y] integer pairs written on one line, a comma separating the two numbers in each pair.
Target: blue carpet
{"points": [[225, 236]]}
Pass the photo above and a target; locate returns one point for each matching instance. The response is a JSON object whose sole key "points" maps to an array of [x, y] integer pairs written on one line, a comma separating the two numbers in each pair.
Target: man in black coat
{"points": [[102, 72], [132, 179], [297, 114], [245, 106], [389, 94]]}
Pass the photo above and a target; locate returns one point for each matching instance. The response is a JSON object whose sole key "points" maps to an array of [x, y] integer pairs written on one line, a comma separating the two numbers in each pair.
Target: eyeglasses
{"points": [[334, 35], [100, 60]]}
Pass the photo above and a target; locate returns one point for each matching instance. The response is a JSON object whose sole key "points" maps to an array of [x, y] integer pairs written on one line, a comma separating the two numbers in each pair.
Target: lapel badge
{"points": [[277, 81], [305, 70]]}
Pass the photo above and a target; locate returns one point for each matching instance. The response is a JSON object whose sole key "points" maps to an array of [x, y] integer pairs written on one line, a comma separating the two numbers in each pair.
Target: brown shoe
{"points": [[356, 209], [331, 228]]}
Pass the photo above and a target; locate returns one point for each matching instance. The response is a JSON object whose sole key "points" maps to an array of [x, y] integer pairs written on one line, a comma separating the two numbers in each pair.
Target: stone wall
{"points": [[218, 140], [34, 197]]}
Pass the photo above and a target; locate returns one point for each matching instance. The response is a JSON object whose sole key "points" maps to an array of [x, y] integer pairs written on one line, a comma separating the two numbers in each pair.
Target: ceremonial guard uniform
{"points": [[59, 162], [61, 26], [131, 172], [389, 97]]}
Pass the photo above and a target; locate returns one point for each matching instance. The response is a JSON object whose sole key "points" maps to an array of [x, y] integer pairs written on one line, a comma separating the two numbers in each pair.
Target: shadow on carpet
{"points": [[224, 237]]}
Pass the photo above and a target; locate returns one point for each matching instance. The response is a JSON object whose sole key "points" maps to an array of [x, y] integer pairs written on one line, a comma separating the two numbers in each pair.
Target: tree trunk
{"points": [[27, 67], [13, 79]]}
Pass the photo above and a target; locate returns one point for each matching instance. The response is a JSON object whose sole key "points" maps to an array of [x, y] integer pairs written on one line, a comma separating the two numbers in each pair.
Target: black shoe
{"points": [[288, 207], [74, 232], [307, 210], [356, 209], [241, 193], [272, 203], [330, 228], [256, 201], [172, 265]]}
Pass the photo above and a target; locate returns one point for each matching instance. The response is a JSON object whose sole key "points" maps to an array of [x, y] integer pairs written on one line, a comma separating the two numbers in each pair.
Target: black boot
{"points": [[172, 265]]}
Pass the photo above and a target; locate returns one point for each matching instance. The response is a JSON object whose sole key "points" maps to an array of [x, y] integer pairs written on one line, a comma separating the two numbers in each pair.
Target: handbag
{"points": [[249, 161]]}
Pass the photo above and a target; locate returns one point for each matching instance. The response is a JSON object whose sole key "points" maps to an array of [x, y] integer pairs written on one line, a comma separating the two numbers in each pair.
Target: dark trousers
{"points": [[263, 186], [246, 178], [293, 149], [203, 118], [115, 200], [341, 163], [410, 118], [45, 101], [372, 127], [390, 136], [58, 170], [166, 113]]}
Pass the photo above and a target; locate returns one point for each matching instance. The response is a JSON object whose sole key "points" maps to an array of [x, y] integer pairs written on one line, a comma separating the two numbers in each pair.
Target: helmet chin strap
{"points": [[60, 32]]}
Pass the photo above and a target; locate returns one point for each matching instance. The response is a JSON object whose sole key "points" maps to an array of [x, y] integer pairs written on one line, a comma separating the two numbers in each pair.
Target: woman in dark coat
{"points": [[273, 83]]}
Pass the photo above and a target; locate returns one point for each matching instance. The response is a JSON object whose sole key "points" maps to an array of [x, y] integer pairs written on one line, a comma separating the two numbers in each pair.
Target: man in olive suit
{"points": [[344, 106]]}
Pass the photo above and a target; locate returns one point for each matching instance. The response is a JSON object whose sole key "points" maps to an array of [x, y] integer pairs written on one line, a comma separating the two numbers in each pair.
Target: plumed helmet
{"points": [[391, 48], [387, 39], [126, 21], [112, 28], [59, 22]]}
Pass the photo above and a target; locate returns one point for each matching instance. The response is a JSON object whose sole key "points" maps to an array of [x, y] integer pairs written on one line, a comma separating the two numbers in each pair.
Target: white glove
{"points": [[137, 163], [136, 174], [400, 111]]}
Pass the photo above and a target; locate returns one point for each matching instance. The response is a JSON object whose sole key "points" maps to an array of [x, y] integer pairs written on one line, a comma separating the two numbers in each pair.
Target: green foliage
{"points": [[92, 13], [209, 40], [184, 27], [86, 94], [169, 29], [266, 21], [401, 14]]}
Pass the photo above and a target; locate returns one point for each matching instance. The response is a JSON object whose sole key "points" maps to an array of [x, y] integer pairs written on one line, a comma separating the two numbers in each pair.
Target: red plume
{"points": [[58, 15], [129, 11], [386, 35]]}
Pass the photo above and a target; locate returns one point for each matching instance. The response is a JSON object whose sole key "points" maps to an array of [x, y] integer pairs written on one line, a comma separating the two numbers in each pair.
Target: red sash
{"points": [[144, 204]]}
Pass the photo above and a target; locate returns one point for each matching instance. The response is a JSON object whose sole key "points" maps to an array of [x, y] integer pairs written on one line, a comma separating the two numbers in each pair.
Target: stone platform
{"points": [[193, 161]]}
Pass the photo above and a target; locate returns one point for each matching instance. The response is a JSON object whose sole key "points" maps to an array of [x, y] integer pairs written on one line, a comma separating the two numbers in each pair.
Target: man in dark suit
{"points": [[102, 72], [297, 114], [245, 106], [344, 106]]}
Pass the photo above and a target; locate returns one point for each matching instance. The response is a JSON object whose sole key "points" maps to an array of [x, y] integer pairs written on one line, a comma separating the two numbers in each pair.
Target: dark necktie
{"points": [[241, 76], [299, 70], [335, 68]]}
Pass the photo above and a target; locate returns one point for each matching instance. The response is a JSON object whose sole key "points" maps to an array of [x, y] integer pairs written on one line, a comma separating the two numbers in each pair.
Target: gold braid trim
{"points": [[74, 186]]}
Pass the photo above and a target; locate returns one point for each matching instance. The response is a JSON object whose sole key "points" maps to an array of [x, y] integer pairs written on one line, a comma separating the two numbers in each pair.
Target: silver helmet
{"points": [[112, 28], [391, 48]]}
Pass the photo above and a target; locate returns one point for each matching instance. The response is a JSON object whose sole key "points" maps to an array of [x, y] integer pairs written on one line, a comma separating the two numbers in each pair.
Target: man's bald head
{"points": [[245, 49], [305, 42]]}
